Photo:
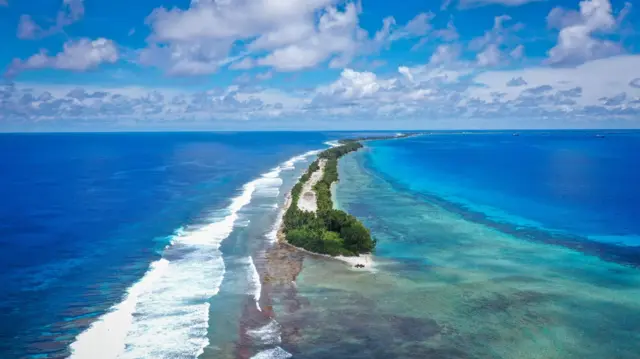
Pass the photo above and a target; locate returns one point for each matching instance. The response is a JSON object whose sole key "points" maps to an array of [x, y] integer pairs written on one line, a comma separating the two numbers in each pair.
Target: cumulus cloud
{"points": [[70, 12], [292, 35], [80, 55], [490, 56], [81, 94], [616, 100], [446, 87], [353, 85], [445, 54], [476, 3], [515, 82], [537, 90], [334, 35], [517, 53], [288, 35], [572, 92], [587, 83], [136, 104], [447, 34], [495, 42], [578, 39], [428, 93]]}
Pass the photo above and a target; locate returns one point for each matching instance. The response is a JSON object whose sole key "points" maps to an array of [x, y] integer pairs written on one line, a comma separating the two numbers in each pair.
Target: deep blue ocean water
{"points": [[566, 182], [84, 215]]}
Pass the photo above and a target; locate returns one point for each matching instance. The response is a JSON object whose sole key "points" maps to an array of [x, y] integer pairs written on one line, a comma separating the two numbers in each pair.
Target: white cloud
{"points": [[476, 3], [187, 58], [419, 25], [491, 56], [576, 40], [496, 41], [353, 84], [244, 64], [585, 92], [79, 55], [71, 11], [517, 53], [597, 79], [287, 35], [264, 76], [517, 81], [606, 88], [130, 105], [445, 54], [334, 35]]}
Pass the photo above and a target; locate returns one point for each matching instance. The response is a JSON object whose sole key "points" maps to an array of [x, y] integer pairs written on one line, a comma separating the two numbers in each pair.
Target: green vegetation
{"points": [[377, 138], [329, 231]]}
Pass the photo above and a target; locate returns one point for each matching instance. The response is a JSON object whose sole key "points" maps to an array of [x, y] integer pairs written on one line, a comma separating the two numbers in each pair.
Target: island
{"points": [[312, 223]]}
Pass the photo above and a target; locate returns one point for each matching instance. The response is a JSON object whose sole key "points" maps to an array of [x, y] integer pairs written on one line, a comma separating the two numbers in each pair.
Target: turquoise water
{"points": [[448, 283]]}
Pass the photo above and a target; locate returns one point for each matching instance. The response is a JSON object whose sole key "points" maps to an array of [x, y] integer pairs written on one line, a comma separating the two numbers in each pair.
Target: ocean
{"points": [[111, 245], [163, 245]]}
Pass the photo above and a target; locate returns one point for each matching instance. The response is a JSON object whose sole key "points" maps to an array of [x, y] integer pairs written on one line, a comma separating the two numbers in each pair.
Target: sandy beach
{"points": [[308, 201]]}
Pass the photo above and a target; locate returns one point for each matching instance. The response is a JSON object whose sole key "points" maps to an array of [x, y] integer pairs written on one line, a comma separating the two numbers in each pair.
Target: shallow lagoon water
{"points": [[451, 285]]}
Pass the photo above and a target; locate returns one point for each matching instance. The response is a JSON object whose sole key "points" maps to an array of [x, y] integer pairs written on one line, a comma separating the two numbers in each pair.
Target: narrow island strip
{"points": [[313, 224]]}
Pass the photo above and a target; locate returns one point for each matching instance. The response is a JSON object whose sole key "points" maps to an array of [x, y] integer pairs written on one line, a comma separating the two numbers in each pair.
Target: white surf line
{"points": [[159, 294], [269, 186], [275, 353], [334, 143], [255, 286], [268, 334], [272, 235]]}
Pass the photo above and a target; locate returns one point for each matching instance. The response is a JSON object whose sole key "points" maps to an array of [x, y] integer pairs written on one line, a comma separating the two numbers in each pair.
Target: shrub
{"points": [[330, 231]]}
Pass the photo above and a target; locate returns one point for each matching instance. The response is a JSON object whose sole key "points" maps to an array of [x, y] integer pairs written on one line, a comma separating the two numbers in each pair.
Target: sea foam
{"points": [[275, 353], [166, 313], [269, 334], [254, 283]]}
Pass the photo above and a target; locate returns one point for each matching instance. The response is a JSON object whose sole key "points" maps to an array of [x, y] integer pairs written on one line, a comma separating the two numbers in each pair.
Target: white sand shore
{"points": [[364, 259], [308, 201]]}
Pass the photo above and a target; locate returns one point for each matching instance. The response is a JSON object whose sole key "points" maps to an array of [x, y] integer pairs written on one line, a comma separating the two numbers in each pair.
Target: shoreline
{"points": [[308, 196], [366, 259]]}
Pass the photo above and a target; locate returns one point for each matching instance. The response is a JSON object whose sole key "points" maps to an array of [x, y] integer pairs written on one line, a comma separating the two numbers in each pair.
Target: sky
{"points": [[91, 65]]}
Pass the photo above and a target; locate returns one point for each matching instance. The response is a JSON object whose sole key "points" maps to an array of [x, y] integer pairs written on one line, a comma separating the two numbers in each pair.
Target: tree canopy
{"points": [[329, 231]]}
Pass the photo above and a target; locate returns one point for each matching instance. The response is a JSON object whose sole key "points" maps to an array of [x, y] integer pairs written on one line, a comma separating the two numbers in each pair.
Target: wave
{"points": [[254, 283], [275, 353], [166, 313], [290, 164], [332, 143], [101, 340], [268, 334]]}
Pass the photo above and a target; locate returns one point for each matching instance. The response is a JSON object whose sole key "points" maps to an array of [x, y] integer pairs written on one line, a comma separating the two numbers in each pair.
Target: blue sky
{"points": [[318, 64]]}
